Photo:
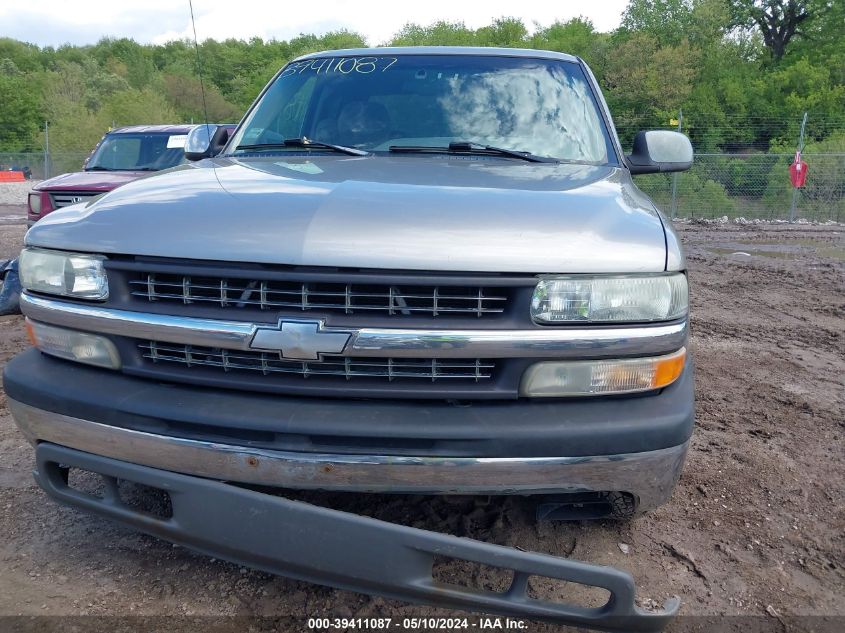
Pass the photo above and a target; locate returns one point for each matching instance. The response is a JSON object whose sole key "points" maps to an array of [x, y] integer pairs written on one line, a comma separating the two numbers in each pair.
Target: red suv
{"points": [[122, 155]]}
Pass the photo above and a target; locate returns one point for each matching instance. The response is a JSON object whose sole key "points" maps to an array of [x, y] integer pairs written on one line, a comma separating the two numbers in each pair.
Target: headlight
{"points": [[66, 274], [601, 377], [624, 298], [35, 203], [81, 347]]}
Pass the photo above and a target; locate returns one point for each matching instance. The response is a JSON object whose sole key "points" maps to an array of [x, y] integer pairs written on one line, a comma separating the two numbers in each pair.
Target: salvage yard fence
{"points": [[751, 186], [40, 166]]}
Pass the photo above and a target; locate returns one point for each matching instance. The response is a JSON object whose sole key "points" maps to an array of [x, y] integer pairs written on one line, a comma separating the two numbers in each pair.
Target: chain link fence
{"points": [[34, 154], [741, 167], [39, 166], [752, 186]]}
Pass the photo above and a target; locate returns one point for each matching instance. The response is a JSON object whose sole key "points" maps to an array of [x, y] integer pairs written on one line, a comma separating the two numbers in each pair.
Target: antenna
{"points": [[199, 65]]}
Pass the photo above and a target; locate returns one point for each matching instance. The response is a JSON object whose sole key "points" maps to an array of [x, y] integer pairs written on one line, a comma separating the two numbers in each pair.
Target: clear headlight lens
{"points": [[557, 379], [81, 347], [625, 298], [66, 274]]}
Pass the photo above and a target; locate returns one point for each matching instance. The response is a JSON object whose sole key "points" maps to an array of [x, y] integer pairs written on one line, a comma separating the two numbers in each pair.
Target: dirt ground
{"points": [[756, 526]]}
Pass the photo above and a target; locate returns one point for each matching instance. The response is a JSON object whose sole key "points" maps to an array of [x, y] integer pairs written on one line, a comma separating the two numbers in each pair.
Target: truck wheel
{"points": [[623, 505]]}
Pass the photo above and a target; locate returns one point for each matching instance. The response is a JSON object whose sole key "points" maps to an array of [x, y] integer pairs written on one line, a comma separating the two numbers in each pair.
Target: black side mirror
{"points": [[206, 140], [660, 151]]}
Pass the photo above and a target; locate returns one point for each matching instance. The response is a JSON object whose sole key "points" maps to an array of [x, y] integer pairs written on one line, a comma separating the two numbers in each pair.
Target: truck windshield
{"points": [[544, 107], [138, 152]]}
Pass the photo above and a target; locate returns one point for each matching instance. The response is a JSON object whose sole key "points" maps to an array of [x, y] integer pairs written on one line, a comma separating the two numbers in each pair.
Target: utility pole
{"points": [[675, 175], [46, 150], [795, 189]]}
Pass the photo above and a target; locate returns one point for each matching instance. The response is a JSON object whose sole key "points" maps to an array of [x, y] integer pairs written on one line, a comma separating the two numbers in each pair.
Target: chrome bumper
{"points": [[549, 342], [649, 476]]}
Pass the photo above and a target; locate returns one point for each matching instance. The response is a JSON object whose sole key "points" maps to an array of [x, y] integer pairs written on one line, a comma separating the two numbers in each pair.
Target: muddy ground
{"points": [[756, 526]]}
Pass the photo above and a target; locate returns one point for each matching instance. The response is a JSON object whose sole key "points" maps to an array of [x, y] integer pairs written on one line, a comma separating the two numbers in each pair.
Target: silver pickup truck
{"points": [[408, 270]]}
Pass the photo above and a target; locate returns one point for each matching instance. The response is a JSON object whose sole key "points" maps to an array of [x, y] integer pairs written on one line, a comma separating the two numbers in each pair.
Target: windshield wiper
{"points": [[99, 168], [306, 143], [465, 147]]}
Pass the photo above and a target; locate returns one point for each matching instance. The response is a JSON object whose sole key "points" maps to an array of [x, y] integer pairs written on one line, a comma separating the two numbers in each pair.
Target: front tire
{"points": [[617, 506]]}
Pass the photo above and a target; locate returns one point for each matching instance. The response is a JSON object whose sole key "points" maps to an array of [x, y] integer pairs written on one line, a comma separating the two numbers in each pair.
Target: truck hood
{"points": [[99, 181], [432, 212]]}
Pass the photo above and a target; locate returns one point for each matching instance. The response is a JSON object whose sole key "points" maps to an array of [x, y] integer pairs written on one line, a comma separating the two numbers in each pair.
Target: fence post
{"points": [[795, 189], [46, 150], [674, 205]]}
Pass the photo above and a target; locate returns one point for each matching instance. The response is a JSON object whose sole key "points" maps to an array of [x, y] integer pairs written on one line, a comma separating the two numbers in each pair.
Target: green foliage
{"points": [[710, 58], [785, 22], [644, 78], [504, 32], [133, 106], [669, 21], [185, 95], [126, 59], [26, 57], [19, 108], [438, 34], [576, 37], [695, 191]]}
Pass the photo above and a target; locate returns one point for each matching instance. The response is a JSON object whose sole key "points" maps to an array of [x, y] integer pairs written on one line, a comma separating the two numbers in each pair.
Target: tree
{"points": [[647, 81], [779, 21], [133, 107], [576, 37], [506, 32], [26, 57], [667, 20], [20, 114], [438, 34], [126, 59], [185, 94]]}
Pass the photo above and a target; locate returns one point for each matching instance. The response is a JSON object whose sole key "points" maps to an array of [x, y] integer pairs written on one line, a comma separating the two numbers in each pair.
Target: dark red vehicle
{"points": [[122, 155]]}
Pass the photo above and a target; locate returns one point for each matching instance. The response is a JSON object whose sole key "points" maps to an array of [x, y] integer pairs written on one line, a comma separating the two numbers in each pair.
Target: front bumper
{"points": [[650, 476], [633, 445], [339, 549]]}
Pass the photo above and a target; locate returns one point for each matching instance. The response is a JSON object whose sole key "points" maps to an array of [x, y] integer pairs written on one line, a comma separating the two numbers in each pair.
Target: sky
{"points": [[56, 22]]}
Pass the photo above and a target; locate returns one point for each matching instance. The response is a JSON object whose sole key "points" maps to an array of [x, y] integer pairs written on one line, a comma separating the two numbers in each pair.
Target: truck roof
{"points": [[443, 50]]}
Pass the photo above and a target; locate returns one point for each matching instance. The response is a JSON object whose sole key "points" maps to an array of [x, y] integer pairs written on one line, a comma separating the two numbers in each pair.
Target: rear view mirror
{"points": [[206, 140], [660, 151]]}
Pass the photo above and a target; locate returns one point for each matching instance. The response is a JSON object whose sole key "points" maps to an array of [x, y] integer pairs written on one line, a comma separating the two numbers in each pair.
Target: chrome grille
{"points": [[390, 369], [67, 198], [348, 298]]}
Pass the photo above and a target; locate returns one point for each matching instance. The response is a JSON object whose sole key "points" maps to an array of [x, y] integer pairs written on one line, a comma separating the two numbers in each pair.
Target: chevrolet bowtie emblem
{"points": [[300, 340]]}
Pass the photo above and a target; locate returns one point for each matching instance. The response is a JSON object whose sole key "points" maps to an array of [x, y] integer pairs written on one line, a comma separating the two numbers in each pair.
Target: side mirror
{"points": [[660, 151], [205, 140]]}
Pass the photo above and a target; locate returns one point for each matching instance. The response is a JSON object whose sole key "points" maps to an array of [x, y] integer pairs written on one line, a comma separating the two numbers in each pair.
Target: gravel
{"points": [[15, 192]]}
